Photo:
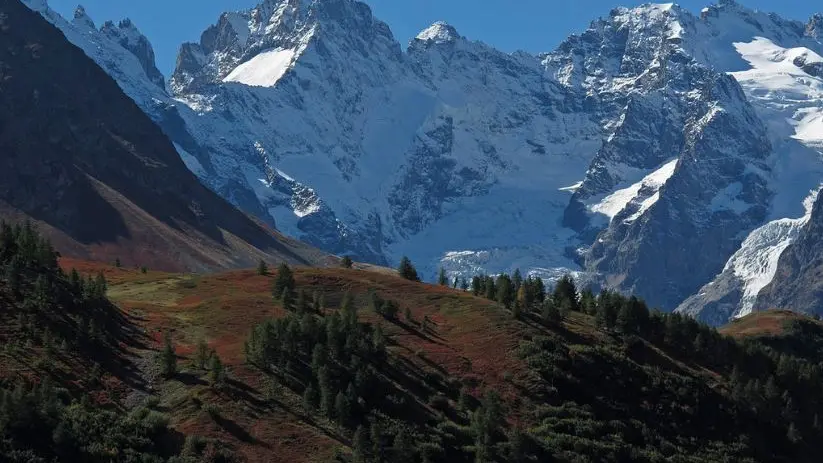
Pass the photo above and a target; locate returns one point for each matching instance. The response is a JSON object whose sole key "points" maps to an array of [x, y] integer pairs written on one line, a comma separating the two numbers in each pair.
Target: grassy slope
{"points": [[473, 342], [764, 324], [472, 339]]}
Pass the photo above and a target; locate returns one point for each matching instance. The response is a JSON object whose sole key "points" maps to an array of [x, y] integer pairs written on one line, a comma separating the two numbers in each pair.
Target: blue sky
{"points": [[531, 25]]}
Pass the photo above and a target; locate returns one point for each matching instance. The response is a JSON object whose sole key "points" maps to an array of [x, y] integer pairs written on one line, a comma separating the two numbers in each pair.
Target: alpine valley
{"points": [[663, 153]]}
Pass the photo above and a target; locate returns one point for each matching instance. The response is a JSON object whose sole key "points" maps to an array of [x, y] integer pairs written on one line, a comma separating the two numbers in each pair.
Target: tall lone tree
{"points": [[407, 270], [346, 262], [442, 280], [284, 280], [262, 268], [217, 373], [168, 358]]}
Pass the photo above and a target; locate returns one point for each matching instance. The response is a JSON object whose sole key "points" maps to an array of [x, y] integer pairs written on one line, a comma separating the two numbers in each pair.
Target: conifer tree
{"points": [[302, 304], [284, 280], [262, 268], [168, 358], [287, 299], [346, 262], [407, 270], [403, 447], [565, 293], [311, 399], [326, 394], [456, 282], [550, 313], [491, 290], [517, 280], [348, 311], [315, 301], [217, 373], [505, 290], [342, 409], [442, 280], [201, 355], [477, 286], [360, 444], [793, 434], [464, 284], [376, 438]]}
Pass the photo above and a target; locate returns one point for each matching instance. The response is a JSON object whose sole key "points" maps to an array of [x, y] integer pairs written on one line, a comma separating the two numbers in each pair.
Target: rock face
{"points": [[658, 152], [83, 161], [796, 284]]}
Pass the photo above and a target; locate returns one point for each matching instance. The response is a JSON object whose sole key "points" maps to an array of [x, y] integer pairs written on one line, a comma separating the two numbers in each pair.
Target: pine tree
{"points": [[477, 286], [217, 373], [311, 399], [349, 311], [117, 263], [588, 302], [565, 293], [793, 434], [346, 262], [360, 445], [491, 290], [505, 290], [464, 400], [315, 301], [517, 446], [376, 437], [456, 282], [403, 447], [550, 313], [284, 280], [378, 339], [407, 270], [342, 409], [262, 268], [302, 304], [287, 299], [326, 394], [464, 284], [201, 355], [442, 280], [168, 358], [517, 280]]}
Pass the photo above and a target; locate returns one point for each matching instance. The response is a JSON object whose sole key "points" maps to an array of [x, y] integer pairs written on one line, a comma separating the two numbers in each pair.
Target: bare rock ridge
{"points": [[85, 162]]}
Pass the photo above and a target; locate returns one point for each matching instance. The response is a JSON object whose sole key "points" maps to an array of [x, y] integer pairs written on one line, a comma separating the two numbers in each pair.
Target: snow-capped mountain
{"points": [[660, 152]]}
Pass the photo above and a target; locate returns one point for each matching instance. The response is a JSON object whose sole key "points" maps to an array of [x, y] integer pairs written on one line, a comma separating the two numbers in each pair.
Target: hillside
{"points": [[98, 176], [214, 368]]}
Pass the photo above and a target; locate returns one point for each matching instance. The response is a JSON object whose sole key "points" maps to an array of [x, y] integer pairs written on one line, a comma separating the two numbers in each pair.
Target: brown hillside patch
{"points": [[762, 324], [466, 339]]}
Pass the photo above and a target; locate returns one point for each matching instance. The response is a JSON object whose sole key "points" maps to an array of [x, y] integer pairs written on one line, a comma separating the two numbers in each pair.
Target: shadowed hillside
{"points": [[81, 159]]}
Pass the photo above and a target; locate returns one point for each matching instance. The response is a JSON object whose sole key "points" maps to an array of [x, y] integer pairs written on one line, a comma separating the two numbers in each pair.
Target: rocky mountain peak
{"points": [[439, 33], [81, 18], [281, 28], [814, 28], [129, 37]]}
